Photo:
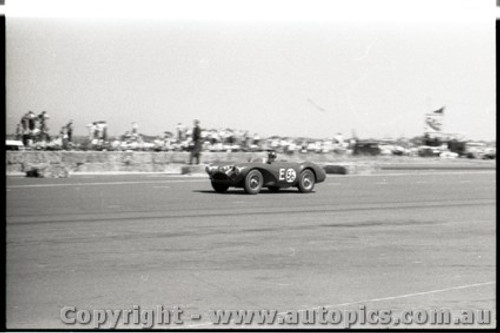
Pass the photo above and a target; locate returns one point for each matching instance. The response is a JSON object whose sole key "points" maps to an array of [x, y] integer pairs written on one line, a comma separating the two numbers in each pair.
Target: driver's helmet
{"points": [[271, 156]]}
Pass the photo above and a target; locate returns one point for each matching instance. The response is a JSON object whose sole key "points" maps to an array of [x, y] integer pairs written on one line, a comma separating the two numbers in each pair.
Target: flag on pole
{"points": [[439, 111], [434, 121]]}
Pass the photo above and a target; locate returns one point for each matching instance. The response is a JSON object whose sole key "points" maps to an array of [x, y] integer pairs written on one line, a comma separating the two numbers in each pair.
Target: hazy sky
{"points": [[298, 68]]}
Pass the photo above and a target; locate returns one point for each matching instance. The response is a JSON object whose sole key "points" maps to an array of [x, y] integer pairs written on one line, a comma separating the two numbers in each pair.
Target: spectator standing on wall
{"points": [[93, 134], [64, 137], [246, 140], [92, 130], [31, 120], [44, 128], [340, 139], [167, 138], [196, 148], [99, 131], [256, 139], [135, 129], [25, 129], [19, 134], [104, 131], [180, 132], [24, 123], [31, 125], [69, 130]]}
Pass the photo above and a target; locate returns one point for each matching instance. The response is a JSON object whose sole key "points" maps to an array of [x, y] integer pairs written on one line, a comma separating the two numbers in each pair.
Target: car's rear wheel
{"points": [[306, 181], [253, 182], [273, 188], [220, 188]]}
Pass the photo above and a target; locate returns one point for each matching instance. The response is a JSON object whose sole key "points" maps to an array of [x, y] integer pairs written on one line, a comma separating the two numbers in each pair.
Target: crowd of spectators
{"points": [[33, 131]]}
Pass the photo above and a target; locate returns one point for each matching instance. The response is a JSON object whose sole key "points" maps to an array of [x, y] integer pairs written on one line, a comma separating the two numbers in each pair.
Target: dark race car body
{"points": [[254, 176]]}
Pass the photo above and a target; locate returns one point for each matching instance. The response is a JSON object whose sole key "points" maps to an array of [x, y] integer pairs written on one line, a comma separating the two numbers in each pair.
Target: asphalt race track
{"points": [[399, 241]]}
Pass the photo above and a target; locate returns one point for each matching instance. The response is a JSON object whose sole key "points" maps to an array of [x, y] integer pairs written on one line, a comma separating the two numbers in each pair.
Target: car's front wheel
{"points": [[253, 182], [220, 188], [306, 181]]}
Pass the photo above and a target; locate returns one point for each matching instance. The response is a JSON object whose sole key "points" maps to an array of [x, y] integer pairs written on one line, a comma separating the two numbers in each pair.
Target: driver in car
{"points": [[271, 157]]}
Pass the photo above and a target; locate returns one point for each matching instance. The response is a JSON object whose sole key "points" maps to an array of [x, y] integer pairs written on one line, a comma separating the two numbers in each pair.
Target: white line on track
{"points": [[416, 173], [109, 183], [373, 300], [422, 293], [200, 179]]}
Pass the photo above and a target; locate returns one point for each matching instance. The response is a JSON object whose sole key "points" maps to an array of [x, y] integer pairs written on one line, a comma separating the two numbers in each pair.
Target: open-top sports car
{"points": [[253, 176]]}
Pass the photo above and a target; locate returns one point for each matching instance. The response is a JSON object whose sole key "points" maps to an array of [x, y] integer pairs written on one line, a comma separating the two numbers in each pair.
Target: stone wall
{"points": [[172, 162], [126, 161]]}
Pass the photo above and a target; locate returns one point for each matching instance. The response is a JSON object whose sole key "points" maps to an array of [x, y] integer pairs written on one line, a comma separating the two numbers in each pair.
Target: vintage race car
{"points": [[253, 176]]}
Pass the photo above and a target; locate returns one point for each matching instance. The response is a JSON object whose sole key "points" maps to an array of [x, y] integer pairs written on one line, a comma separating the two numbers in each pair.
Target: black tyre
{"points": [[253, 182], [306, 181], [220, 188], [273, 188]]}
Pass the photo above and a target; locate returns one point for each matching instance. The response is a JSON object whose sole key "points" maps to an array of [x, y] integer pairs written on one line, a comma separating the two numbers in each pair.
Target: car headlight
{"points": [[227, 168], [209, 169]]}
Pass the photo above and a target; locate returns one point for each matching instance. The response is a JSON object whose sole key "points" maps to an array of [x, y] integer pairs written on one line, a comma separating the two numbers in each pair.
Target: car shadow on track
{"points": [[240, 192]]}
